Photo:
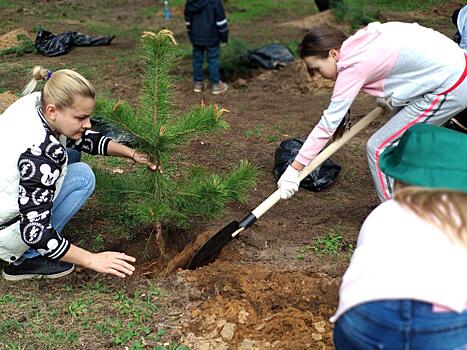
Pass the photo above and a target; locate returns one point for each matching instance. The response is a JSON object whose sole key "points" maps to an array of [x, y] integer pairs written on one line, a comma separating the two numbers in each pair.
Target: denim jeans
{"points": [[77, 186], [212, 53], [400, 325], [73, 155]]}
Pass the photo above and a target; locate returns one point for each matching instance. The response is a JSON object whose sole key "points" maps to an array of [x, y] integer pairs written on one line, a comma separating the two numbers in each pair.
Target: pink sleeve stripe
{"points": [[321, 130]]}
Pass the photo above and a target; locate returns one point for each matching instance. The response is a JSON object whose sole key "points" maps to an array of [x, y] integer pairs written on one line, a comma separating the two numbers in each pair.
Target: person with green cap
{"points": [[406, 285]]}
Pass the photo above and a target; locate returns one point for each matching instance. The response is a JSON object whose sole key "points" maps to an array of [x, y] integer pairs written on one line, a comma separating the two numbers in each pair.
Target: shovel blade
{"points": [[211, 248]]}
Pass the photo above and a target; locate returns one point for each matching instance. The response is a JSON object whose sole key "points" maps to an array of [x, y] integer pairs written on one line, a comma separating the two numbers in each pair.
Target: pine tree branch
{"points": [[155, 104], [173, 198]]}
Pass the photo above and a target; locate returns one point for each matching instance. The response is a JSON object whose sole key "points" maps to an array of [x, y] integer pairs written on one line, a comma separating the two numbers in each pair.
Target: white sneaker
{"points": [[219, 88], [198, 86]]}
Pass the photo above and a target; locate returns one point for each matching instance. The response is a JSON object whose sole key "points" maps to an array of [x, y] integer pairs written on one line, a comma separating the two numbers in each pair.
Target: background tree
{"points": [[170, 197]]}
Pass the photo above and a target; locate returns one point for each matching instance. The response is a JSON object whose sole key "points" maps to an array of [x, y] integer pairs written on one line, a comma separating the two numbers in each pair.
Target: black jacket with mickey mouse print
{"points": [[40, 167]]}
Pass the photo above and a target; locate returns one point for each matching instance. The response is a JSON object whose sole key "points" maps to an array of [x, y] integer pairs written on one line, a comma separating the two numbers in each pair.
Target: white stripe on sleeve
{"points": [[60, 249]]}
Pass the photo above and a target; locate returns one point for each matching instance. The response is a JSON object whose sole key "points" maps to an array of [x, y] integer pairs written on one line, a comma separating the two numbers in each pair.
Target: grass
{"points": [[13, 77], [303, 252], [280, 127], [349, 173], [331, 244], [4, 4], [258, 132], [356, 149], [26, 46], [67, 317], [101, 312], [362, 12], [397, 5], [231, 62], [293, 46], [100, 28], [97, 244], [255, 132], [273, 138], [247, 10]]}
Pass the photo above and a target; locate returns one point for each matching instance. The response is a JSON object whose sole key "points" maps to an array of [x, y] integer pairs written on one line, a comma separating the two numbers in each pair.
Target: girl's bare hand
{"points": [[142, 158], [113, 263]]}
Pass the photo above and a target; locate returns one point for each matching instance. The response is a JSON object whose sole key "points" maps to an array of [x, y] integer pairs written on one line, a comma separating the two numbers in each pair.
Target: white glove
{"points": [[385, 102], [289, 182]]}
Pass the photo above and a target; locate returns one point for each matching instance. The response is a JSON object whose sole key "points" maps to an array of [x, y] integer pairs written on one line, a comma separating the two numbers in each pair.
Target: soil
{"points": [[258, 289], [6, 99], [268, 289], [317, 19], [10, 39]]}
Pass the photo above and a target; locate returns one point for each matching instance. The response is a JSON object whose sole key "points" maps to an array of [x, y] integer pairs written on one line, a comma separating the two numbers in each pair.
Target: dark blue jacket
{"points": [[206, 22]]}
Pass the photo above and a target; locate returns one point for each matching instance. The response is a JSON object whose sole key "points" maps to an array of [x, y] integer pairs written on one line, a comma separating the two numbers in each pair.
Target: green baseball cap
{"points": [[428, 156]]}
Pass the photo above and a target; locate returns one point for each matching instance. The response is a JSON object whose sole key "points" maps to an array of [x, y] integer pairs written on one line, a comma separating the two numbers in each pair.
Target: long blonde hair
{"points": [[443, 208], [61, 87]]}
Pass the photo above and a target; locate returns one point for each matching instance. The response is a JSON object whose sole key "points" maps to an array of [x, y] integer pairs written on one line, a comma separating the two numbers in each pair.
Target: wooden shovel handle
{"points": [[321, 157]]}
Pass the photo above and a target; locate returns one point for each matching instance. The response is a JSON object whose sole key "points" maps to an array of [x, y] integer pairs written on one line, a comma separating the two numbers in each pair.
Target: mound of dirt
{"points": [[438, 12], [317, 19], [293, 78], [257, 307], [6, 99], [10, 39]]}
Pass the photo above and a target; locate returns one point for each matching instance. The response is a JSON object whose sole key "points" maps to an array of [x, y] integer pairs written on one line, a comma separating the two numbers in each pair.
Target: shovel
{"points": [[208, 251]]}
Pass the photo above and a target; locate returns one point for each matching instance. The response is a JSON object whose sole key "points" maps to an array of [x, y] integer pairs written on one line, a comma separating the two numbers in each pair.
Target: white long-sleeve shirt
{"points": [[401, 256]]}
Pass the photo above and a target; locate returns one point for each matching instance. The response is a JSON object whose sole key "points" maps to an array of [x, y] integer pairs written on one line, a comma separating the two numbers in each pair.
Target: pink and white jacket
{"points": [[401, 60]]}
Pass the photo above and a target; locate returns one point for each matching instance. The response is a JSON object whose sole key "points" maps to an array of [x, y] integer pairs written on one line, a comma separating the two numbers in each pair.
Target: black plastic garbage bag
{"points": [[459, 122], [106, 128], [270, 56], [324, 5], [52, 45], [320, 178]]}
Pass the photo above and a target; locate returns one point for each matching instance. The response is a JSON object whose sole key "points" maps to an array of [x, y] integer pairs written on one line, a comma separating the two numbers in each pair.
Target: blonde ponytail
{"points": [[38, 73], [443, 208], [61, 87]]}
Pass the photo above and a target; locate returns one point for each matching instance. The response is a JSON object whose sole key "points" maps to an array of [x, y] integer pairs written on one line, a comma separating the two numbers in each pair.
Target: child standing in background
{"points": [[207, 28]]}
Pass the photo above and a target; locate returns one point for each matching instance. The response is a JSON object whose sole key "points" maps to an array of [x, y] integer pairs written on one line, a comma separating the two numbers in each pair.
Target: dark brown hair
{"points": [[319, 40]]}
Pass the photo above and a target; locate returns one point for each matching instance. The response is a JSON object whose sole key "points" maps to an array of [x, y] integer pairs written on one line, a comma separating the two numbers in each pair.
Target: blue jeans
{"points": [[73, 155], [212, 53], [400, 325], [77, 186]]}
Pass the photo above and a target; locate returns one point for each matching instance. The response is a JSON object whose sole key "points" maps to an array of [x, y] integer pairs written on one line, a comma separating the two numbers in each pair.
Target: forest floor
{"points": [[274, 287]]}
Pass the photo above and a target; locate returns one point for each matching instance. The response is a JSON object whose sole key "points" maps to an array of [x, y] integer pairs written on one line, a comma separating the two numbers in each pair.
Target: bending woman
{"points": [[416, 71]]}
